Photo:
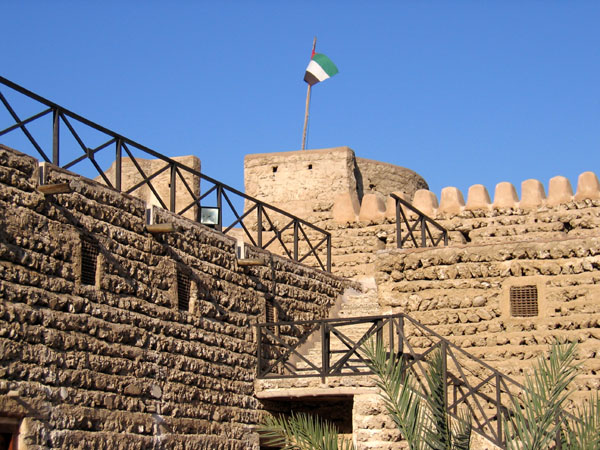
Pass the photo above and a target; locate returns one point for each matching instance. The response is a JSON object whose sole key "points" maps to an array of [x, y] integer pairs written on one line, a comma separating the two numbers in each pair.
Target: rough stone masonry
{"points": [[112, 337]]}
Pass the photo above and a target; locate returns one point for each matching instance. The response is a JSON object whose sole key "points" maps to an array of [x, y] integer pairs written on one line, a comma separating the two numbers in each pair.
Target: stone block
{"points": [[505, 195], [425, 201], [587, 186], [372, 208], [346, 207], [478, 198], [559, 191], [390, 205], [532, 194], [452, 201]]}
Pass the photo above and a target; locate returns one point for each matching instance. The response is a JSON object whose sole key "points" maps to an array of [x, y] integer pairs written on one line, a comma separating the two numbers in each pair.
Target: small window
{"points": [[523, 301], [269, 311], [183, 291], [310, 167], [274, 169], [89, 261]]}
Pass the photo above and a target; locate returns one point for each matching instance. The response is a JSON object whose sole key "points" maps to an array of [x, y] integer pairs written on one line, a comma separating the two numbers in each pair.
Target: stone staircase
{"points": [[353, 303], [373, 429]]}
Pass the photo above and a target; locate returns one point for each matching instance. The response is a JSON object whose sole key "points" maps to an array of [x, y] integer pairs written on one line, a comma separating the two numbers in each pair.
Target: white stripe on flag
{"points": [[317, 71]]}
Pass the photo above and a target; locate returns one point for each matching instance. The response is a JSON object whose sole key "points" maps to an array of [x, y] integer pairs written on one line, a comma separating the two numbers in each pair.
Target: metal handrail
{"points": [[421, 220], [474, 388], [319, 246]]}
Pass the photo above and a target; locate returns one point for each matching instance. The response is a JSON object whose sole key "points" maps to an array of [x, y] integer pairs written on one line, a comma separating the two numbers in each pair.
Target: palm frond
{"points": [[439, 436], [583, 432], [302, 431], [399, 393], [534, 424], [462, 430]]}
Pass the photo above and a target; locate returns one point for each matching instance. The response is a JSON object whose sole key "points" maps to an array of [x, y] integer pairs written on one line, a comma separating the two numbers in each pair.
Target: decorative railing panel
{"points": [[76, 142], [472, 384], [417, 223]]}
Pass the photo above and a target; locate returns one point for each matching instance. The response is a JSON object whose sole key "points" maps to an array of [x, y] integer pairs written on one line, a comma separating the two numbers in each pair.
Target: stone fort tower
{"points": [[308, 183]]}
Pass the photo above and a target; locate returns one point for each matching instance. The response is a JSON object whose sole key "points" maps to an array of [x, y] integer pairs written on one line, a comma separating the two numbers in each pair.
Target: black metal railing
{"points": [[263, 224], [471, 384], [420, 222]]}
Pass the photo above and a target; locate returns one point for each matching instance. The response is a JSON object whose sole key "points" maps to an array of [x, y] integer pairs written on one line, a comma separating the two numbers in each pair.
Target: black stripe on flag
{"points": [[310, 78]]}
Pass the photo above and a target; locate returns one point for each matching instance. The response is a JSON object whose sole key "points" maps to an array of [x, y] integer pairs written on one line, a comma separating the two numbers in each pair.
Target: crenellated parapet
{"points": [[374, 207], [318, 185]]}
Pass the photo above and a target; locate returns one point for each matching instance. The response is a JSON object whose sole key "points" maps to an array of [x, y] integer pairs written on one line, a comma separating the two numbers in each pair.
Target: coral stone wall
{"points": [[119, 362], [384, 178], [308, 183], [355, 244], [131, 176], [463, 293]]}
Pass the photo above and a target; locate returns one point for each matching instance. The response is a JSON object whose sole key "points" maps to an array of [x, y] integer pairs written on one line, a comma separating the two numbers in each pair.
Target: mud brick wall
{"points": [[463, 293], [355, 244], [116, 363]]}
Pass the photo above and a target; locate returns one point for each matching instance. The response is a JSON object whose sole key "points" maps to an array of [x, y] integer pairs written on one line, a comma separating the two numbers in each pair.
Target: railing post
{"points": [[118, 165], [220, 207], [454, 397], [324, 351], [259, 225], [401, 335], [172, 191], [329, 253], [379, 335], [498, 408], [296, 239], [445, 373], [55, 136], [258, 351], [557, 439], [398, 224], [423, 233], [391, 331]]}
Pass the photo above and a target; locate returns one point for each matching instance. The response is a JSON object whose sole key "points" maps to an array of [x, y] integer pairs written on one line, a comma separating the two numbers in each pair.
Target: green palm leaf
{"points": [[421, 416], [398, 392], [583, 433], [302, 431], [534, 424]]}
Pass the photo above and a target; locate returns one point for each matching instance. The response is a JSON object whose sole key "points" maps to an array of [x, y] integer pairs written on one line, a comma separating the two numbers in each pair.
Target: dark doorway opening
{"points": [[9, 431], [335, 409]]}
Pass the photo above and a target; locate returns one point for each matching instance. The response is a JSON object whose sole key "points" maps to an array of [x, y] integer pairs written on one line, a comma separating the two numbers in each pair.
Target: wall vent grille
{"points": [[269, 311], [89, 261], [523, 301], [183, 291]]}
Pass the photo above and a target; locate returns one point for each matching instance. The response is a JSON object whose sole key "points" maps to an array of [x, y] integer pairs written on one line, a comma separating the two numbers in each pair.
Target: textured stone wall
{"points": [[131, 176], [384, 178], [303, 183], [463, 293], [116, 363], [308, 183], [355, 244]]}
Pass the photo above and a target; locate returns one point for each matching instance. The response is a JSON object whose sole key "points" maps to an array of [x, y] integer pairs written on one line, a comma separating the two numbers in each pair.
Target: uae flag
{"points": [[320, 68]]}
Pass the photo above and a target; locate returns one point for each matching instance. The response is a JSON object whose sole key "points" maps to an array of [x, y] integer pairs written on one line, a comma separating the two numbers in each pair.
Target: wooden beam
{"points": [[58, 188], [252, 262], [161, 228]]}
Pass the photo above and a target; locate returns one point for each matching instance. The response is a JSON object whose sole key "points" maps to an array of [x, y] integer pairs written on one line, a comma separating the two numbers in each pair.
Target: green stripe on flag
{"points": [[326, 64]]}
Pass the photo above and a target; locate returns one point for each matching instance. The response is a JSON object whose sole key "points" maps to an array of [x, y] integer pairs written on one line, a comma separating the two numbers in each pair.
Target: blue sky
{"points": [[462, 92]]}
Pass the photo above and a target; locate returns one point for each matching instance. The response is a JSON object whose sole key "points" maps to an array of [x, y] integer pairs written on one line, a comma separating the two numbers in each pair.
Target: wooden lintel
{"points": [[58, 188], [251, 262], [161, 228]]}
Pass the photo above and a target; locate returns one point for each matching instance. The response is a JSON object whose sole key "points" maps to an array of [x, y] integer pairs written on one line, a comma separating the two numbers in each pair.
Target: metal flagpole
{"points": [[308, 100]]}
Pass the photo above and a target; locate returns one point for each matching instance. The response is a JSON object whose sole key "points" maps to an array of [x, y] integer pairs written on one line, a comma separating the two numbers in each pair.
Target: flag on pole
{"points": [[320, 68]]}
